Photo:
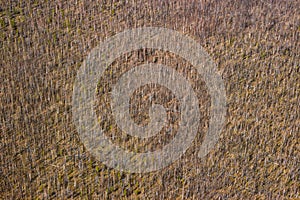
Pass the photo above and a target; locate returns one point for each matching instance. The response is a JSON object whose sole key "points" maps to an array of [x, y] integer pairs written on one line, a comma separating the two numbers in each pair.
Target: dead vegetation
{"points": [[256, 47]]}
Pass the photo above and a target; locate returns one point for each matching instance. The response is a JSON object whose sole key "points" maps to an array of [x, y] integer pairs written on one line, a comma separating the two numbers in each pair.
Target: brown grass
{"points": [[256, 46]]}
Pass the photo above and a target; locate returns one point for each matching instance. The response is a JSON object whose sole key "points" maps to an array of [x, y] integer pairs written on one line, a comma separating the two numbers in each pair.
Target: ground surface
{"points": [[256, 47]]}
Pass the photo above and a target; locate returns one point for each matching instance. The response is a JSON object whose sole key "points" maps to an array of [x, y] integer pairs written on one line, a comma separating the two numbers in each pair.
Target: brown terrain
{"points": [[255, 45]]}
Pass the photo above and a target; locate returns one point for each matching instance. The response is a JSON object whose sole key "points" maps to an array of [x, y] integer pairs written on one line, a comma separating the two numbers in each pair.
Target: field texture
{"points": [[256, 47]]}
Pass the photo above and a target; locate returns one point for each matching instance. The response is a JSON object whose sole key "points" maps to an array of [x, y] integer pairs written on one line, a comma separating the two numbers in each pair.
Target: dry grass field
{"points": [[256, 46]]}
